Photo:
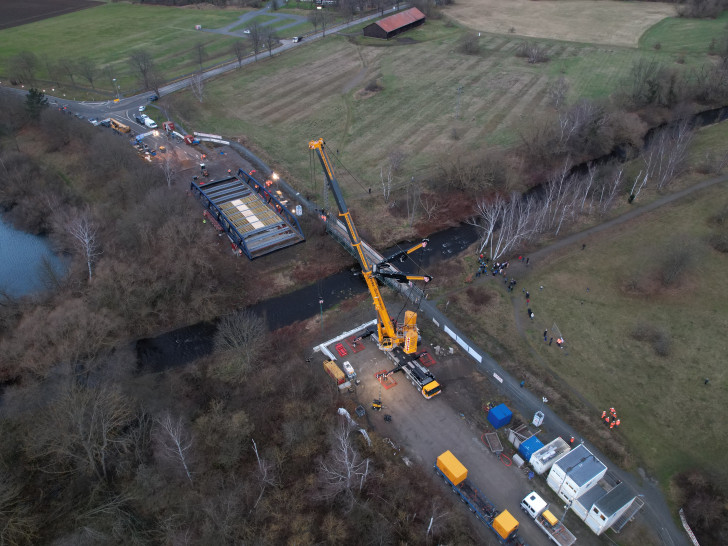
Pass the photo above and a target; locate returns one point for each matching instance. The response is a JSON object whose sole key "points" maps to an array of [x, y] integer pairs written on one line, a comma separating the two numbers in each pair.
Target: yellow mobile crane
{"points": [[390, 337]]}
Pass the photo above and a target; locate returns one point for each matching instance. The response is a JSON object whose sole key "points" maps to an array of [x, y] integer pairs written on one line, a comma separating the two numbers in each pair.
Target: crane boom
{"points": [[389, 336]]}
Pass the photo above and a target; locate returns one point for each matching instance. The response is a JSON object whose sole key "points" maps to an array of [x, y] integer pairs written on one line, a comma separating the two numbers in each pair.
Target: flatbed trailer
{"points": [[503, 524]]}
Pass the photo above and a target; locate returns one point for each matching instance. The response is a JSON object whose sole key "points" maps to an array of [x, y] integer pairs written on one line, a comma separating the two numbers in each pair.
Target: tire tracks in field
{"points": [[351, 84]]}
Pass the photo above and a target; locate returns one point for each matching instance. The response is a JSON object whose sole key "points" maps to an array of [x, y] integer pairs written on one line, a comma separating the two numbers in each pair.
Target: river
{"points": [[25, 261]]}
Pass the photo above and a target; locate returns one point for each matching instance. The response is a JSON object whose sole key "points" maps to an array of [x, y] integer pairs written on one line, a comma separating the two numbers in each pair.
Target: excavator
{"points": [[398, 340]]}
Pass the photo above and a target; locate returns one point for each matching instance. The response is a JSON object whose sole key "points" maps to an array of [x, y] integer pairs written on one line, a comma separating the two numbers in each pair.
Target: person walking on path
{"points": [[545, 335], [522, 383]]}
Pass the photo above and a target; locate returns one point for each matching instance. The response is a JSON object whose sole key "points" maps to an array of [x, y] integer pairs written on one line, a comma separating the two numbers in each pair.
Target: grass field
{"points": [[586, 21], [690, 36], [109, 33], [671, 420], [316, 91]]}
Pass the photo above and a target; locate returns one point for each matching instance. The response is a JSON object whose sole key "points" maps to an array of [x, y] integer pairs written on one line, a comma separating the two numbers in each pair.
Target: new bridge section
{"points": [[254, 219]]}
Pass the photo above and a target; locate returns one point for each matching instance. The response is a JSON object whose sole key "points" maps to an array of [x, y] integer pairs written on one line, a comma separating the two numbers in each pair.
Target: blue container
{"points": [[529, 447], [500, 416]]}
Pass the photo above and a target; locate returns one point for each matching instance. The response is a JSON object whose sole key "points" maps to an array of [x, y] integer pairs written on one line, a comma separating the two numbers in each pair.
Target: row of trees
{"points": [[509, 223]]}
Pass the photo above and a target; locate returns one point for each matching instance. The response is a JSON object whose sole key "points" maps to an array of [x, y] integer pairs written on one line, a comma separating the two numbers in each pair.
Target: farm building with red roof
{"points": [[395, 24]]}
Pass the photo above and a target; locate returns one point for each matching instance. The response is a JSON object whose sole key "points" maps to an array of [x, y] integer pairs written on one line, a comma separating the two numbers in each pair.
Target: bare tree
{"points": [[347, 8], [256, 38], [437, 517], [271, 40], [396, 159], [23, 66], [18, 523], [558, 91], [241, 338], [643, 83], [142, 64], [168, 170], [240, 49], [88, 70], [200, 54], [343, 472], [83, 432], [386, 181], [265, 474], [504, 224], [315, 20], [430, 203], [69, 67], [324, 19], [83, 231], [666, 154], [52, 69], [413, 200], [197, 86], [175, 441]]}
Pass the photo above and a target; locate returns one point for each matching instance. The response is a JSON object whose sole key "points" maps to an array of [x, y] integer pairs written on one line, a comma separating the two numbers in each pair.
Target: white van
{"points": [[149, 122]]}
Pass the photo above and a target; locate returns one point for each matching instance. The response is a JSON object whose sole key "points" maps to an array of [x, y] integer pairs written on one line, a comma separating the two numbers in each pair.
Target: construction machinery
{"points": [[391, 335], [503, 524], [537, 508]]}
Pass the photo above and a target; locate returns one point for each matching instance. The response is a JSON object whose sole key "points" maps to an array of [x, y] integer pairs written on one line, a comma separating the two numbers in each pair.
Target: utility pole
{"points": [[457, 106]]}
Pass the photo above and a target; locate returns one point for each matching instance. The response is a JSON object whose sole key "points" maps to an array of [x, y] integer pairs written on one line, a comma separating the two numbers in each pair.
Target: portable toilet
{"points": [[529, 447], [500, 416]]}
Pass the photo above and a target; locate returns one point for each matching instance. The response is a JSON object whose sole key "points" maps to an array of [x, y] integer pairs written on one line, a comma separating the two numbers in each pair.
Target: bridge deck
{"points": [[251, 215]]}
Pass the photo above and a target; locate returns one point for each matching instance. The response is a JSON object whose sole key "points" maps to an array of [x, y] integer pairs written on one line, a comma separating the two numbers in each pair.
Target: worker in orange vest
{"points": [[617, 422], [606, 419], [604, 414], [611, 425]]}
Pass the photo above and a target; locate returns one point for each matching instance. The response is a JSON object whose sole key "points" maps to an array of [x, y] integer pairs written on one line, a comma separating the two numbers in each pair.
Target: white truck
{"points": [[149, 122], [349, 371], [537, 508]]}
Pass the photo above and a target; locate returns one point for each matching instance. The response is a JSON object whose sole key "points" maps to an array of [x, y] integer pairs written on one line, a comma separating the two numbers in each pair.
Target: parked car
{"points": [[297, 39], [142, 108], [93, 121], [139, 120], [105, 122], [246, 31]]}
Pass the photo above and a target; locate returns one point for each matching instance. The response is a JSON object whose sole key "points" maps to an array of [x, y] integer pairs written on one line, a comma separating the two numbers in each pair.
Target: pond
{"points": [[26, 261]]}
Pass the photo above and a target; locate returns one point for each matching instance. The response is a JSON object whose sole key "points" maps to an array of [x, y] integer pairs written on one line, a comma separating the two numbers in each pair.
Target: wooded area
{"points": [[244, 445]]}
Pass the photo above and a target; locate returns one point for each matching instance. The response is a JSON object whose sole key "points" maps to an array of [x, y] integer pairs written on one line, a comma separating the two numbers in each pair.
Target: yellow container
{"points": [[550, 518], [452, 468], [505, 524]]}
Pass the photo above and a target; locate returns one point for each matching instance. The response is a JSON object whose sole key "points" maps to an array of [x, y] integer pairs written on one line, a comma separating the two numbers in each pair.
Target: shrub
{"points": [[373, 86], [469, 44], [659, 338], [719, 241], [676, 261], [533, 52]]}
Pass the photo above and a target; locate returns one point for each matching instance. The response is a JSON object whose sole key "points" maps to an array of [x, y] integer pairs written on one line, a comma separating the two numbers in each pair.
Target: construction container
{"points": [[544, 458], [529, 447], [505, 524], [452, 468], [500, 416], [550, 518], [335, 372]]}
